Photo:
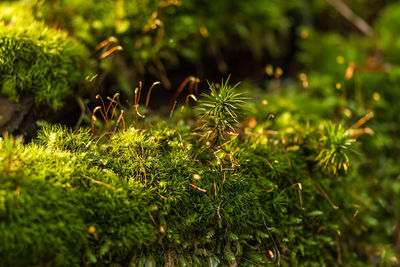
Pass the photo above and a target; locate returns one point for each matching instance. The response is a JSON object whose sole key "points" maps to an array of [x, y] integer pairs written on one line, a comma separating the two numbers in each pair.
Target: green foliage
{"points": [[387, 27], [37, 60], [157, 35], [364, 73], [219, 110], [35, 172], [334, 155], [158, 196], [156, 28]]}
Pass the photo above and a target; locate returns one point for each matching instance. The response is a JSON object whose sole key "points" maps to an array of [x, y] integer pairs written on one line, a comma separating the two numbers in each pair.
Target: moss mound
{"points": [[163, 196], [36, 59]]}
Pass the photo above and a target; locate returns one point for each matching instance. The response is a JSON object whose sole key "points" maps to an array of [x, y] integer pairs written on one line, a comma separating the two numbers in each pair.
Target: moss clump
{"points": [[166, 196], [36, 59]]}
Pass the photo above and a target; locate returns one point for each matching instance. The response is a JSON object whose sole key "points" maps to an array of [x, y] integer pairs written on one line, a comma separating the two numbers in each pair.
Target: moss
{"points": [[162, 195], [37, 60], [276, 194], [367, 72], [25, 206]]}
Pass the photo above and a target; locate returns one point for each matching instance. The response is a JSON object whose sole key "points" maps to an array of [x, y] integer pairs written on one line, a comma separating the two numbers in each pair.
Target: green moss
{"points": [[37, 60], [166, 194], [25, 203], [367, 72], [162, 195]]}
